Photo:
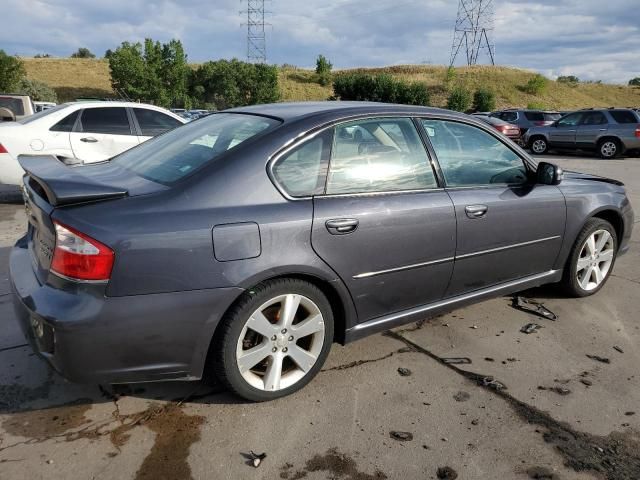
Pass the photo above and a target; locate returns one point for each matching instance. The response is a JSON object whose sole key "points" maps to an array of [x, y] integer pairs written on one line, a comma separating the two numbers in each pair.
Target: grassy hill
{"points": [[73, 78]]}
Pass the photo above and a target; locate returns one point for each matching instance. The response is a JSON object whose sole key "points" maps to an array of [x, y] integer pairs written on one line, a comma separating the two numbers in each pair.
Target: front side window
{"points": [[153, 123], [378, 155], [107, 120], [302, 171], [509, 116], [570, 120], [469, 156]]}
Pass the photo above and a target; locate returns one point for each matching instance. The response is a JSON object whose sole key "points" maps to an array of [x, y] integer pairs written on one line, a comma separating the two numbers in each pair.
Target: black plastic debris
{"points": [[456, 360], [586, 382], [530, 328], [257, 458], [598, 358], [446, 473], [618, 349], [401, 436], [404, 372], [559, 390], [533, 307]]}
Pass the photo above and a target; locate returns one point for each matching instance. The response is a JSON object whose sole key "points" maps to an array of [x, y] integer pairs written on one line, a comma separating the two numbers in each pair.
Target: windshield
{"points": [[43, 113], [174, 155]]}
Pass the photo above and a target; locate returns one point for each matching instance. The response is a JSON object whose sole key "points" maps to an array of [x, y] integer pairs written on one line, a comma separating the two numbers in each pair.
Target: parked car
{"points": [[251, 240], [19, 106], [609, 132], [525, 119], [506, 128], [80, 132]]}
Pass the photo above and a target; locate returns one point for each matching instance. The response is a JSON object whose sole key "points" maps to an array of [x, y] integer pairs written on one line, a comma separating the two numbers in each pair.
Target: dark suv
{"points": [[610, 132], [526, 119]]}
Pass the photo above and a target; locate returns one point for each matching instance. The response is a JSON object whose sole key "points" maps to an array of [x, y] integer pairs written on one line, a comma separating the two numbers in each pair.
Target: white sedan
{"points": [[80, 132]]}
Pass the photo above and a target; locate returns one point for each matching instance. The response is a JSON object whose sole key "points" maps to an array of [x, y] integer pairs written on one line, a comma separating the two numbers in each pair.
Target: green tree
{"points": [[83, 53], [568, 79], [11, 72], [536, 85], [459, 99], [323, 70], [484, 100], [38, 91], [634, 82]]}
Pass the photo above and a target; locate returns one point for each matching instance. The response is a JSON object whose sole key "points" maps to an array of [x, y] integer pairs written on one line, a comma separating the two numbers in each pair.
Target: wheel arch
{"points": [[613, 138], [613, 217]]}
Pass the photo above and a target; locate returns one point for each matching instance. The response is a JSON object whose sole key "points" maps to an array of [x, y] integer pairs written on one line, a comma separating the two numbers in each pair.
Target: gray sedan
{"points": [[244, 244]]}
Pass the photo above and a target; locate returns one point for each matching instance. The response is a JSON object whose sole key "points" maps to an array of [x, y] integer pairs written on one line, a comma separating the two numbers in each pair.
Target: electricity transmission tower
{"points": [[474, 31], [256, 40]]}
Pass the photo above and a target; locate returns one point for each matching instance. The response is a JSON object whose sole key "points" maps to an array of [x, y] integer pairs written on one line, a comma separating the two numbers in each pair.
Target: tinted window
{"points": [[170, 157], [551, 117], [110, 120], [570, 120], [534, 116], [509, 116], [154, 123], [66, 124], [302, 171], [13, 104], [623, 116], [594, 118], [469, 156], [378, 156]]}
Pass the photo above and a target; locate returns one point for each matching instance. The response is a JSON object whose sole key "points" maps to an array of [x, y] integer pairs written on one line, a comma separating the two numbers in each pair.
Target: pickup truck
{"points": [[15, 107]]}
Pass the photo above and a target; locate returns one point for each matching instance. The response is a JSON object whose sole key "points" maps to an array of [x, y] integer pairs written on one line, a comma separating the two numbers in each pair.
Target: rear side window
{"points": [[551, 117], [108, 120], [154, 123], [624, 116], [13, 104], [594, 118], [66, 124], [170, 157], [302, 171], [534, 116], [380, 155]]}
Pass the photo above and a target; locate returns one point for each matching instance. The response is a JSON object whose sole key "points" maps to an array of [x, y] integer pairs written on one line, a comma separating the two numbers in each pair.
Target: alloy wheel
{"points": [[280, 342], [595, 260], [539, 146], [608, 149]]}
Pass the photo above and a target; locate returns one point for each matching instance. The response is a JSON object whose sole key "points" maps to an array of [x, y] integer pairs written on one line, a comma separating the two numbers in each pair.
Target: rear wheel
{"points": [[592, 258], [609, 148], [275, 340], [539, 145]]}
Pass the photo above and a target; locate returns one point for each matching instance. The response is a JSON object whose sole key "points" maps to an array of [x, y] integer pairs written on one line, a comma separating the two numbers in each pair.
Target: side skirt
{"points": [[418, 313]]}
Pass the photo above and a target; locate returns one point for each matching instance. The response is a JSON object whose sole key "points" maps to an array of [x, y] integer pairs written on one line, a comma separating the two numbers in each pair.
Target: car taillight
{"points": [[80, 257], [2, 149], [637, 132]]}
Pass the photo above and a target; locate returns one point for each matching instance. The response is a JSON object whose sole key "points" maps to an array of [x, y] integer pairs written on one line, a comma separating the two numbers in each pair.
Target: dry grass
{"points": [[73, 78]]}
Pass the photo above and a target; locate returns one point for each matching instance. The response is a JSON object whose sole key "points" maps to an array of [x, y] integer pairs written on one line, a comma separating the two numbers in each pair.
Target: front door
{"points": [[383, 224], [103, 133], [507, 226], [563, 132]]}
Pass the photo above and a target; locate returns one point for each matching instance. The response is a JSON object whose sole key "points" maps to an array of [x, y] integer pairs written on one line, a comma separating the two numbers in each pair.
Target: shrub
{"points": [[450, 75], [379, 88], [536, 85], [323, 70], [634, 82], [11, 72], [38, 91], [568, 79], [484, 100], [459, 99], [83, 53], [536, 106]]}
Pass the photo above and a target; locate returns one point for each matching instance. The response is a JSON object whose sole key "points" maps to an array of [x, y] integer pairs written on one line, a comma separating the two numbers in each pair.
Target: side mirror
{"points": [[549, 174]]}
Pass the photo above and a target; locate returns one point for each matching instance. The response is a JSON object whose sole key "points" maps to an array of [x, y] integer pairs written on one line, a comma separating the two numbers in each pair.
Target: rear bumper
{"points": [[90, 338]]}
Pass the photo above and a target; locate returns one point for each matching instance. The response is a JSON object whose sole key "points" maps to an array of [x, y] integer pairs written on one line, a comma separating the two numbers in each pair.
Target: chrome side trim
{"points": [[453, 300], [400, 269], [78, 280], [507, 247]]}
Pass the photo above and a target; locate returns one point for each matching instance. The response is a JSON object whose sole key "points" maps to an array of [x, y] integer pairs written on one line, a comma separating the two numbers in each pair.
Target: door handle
{"points": [[342, 226], [476, 211], [89, 140]]}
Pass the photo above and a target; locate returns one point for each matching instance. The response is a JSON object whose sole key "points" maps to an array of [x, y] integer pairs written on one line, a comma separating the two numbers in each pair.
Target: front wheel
{"points": [[539, 145], [592, 258], [274, 341]]}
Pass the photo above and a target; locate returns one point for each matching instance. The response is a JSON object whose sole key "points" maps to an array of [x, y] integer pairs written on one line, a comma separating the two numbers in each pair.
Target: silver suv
{"points": [[609, 132], [526, 119]]}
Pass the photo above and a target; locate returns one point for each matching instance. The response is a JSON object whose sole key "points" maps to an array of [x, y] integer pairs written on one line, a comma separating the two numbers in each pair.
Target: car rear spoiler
{"points": [[65, 185]]}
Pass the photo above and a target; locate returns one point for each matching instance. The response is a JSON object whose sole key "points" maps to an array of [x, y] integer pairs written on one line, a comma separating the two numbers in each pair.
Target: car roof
{"points": [[299, 110]]}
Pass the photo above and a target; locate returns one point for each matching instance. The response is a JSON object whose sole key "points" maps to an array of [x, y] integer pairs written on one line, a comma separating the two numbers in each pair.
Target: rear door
{"points": [[563, 132], [152, 123], [507, 226], [383, 223], [592, 126], [102, 133]]}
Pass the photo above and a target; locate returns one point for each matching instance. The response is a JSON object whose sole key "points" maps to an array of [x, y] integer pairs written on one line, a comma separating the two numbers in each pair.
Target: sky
{"points": [[592, 39]]}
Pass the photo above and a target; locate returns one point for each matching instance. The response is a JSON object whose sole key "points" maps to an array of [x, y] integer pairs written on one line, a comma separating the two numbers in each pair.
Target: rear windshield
{"points": [[13, 104], [623, 116], [174, 155]]}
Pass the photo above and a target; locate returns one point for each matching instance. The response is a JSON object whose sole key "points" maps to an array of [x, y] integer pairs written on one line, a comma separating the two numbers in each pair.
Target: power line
{"points": [[474, 30], [256, 39]]}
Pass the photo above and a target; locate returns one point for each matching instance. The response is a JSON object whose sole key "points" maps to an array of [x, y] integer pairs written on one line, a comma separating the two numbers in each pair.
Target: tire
{"points": [[539, 145], [282, 362], [580, 277], [609, 148]]}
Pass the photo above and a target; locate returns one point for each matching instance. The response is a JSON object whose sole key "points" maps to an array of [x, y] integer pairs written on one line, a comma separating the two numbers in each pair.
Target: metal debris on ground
{"points": [[533, 307], [456, 360], [618, 349], [490, 382], [530, 328], [257, 458], [598, 358], [401, 436], [446, 473], [404, 372]]}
